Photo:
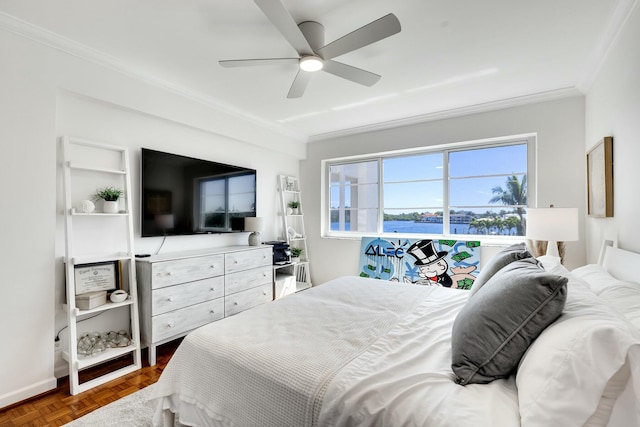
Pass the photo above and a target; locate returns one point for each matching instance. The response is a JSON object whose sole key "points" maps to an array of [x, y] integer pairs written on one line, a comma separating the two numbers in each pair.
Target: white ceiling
{"points": [[450, 54]]}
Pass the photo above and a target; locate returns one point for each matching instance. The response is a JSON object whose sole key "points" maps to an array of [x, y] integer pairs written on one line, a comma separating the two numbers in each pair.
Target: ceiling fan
{"points": [[307, 38]]}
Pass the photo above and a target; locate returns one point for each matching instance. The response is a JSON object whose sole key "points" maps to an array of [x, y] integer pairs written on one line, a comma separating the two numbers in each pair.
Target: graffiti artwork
{"points": [[448, 263]]}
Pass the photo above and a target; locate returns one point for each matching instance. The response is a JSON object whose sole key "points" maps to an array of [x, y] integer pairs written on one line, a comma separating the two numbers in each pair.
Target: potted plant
{"points": [[294, 205], [110, 196], [295, 254]]}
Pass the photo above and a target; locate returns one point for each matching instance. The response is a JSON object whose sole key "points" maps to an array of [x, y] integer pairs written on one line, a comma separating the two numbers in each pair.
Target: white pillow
{"points": [[625, 298], [571, 374], [596, 276]]}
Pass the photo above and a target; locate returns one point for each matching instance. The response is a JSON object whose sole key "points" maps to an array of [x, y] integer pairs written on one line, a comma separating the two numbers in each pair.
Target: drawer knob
{"points": [[212, 289], [235, 303], [212, 312], [170, 324], [264, 293], [170, 299], [235, 261], [212, 266]]}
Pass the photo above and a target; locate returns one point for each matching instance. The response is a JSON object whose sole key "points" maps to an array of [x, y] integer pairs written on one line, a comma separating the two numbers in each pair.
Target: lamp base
{"points": [[254, 239], [552, 249]]}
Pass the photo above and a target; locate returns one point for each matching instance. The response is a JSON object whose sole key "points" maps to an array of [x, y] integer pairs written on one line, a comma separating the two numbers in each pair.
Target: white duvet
{"points": [[352, 351]]}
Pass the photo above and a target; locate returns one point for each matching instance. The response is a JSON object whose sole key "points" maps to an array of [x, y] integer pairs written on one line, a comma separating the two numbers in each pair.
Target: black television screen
{"points": [[184, 195]]}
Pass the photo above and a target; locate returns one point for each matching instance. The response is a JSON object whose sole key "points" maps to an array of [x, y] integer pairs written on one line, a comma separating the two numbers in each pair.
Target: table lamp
{"points": [[553, 225], [253, 224]]}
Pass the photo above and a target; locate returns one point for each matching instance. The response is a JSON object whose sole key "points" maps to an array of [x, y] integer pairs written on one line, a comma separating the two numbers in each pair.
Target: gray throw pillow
{"points": [[494, 329], [499, 261]]}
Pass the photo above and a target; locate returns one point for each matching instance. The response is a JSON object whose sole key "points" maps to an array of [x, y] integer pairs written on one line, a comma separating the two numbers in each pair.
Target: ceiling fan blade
{"points": [[280, 18], [299, 84], [348, 72], [230, 63], [374, 31]]}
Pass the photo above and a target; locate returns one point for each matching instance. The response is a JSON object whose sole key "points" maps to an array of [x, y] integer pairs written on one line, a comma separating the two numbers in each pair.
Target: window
{"points": [[468, 189]]}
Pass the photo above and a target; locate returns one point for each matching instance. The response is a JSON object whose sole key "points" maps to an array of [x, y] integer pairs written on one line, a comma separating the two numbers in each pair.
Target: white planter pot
{"points": [[110, 207]]}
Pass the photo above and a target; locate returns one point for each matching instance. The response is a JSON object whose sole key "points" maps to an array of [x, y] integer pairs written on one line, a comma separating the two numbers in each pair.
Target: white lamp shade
{"points": [[253, 223], [554, 224]]}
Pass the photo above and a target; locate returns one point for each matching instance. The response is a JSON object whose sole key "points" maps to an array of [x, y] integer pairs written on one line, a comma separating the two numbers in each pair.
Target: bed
{"points": [[365, 352]]}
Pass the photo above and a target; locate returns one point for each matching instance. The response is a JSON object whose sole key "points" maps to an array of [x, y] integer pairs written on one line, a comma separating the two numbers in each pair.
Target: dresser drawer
{"points": [[243, 280], [180, 321], [244, 260], [178, 296], [167, 273], [241, 301]]}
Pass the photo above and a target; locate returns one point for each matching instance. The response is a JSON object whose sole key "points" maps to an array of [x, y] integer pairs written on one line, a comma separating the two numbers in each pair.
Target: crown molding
{"points": [[454, 112], [56, 41], [621, 14]]}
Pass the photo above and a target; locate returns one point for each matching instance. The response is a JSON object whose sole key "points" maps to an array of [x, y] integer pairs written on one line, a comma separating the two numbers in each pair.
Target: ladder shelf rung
{"points": [[75, 166]]}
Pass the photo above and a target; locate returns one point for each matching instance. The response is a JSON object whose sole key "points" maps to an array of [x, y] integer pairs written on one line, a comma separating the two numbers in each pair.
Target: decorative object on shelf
{"points": [[293, 234], [110, 196], [97, 276], [93, 343], [253, 224], [296, 253], [87, 206], [294, 206], [90, 300], [554, 225], [289, 184], [118, 296], [600, 179]]}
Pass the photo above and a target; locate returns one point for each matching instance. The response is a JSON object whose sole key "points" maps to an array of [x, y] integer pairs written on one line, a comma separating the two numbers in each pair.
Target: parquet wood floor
{"points": [[58, 407]]}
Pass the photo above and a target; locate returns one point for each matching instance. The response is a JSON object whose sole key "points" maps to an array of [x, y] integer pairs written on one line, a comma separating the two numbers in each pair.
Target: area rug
{"points": [[132, 410]]}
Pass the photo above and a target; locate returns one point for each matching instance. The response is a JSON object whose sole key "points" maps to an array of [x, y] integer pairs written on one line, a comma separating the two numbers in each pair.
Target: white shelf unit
{"points": [[97, 237], [294, 234]]}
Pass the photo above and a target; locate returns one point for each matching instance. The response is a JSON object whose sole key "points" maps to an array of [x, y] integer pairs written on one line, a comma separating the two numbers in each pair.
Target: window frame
{"points": [[325, 221]]}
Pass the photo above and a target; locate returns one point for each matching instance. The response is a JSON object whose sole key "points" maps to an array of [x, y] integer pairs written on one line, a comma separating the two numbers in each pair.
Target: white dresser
{"points": [[181, 291]]}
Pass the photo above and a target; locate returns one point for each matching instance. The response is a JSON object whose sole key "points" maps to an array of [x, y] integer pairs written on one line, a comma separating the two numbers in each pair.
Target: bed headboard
{"points": [[621, 264]]}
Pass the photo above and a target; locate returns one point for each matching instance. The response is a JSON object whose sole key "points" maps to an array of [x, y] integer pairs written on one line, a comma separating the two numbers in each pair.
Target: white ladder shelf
{"points": [[293, 227], [87, 161]]}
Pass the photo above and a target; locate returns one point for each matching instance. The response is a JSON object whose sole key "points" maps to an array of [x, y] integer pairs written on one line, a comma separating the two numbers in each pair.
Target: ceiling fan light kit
{"points": [[311, 63], [307, 38]]}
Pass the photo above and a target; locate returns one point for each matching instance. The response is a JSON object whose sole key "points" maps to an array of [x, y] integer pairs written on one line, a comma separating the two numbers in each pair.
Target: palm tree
{"points": [[514, 194]]}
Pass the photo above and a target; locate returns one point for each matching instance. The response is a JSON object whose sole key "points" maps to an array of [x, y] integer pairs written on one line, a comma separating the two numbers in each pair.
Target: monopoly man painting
{"points": [[448, 263]]}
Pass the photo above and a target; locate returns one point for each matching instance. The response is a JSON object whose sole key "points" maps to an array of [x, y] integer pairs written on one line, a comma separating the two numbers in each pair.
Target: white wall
{"points": [[47, 93], [613, 109], [559, 126]]}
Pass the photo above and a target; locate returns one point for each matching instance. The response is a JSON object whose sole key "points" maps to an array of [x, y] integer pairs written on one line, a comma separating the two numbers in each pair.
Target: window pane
{"points": [[490, 222], [413, 194], [360, 220], [508, 159], [354, 196], [413, 168], [422, 223], [354, 173], [480, 191]]}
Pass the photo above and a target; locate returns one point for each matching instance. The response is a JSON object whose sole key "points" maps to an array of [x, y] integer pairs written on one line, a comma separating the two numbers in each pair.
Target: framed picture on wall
{"points": [[600, 179]]}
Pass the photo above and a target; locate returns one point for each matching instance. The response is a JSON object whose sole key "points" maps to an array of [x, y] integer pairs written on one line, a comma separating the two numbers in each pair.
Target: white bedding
{"points": [[257, 368], [364, 352]]}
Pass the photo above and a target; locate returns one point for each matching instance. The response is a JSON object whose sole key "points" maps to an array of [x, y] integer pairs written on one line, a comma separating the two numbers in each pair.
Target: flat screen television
{"points": [[185, 195]]}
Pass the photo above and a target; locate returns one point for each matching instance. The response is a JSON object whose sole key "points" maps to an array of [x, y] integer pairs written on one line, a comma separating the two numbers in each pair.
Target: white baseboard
{"points": [[27, 392]]}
